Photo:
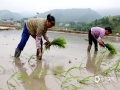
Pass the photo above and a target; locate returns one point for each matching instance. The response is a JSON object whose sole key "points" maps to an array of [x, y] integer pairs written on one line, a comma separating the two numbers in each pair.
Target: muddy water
{"points": [[55, 60]]}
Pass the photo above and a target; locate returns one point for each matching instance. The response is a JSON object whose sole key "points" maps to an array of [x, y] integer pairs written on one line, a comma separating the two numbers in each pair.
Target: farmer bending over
{"points": [[36, 27], [95, 35]]}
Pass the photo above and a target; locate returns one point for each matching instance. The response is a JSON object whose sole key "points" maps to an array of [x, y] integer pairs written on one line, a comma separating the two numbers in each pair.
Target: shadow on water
{"points": [[94, 63], [36, 78], [95, 66]]}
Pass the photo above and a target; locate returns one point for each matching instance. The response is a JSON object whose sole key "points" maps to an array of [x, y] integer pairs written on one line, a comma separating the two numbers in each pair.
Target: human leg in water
{"points": [[24, 39], [41, 43]]}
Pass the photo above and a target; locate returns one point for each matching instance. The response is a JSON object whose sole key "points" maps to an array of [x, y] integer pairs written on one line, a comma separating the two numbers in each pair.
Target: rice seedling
{"points": [[31, 57], [57, 42], [64, 73], [66, 82], [42, 88], [12, 77], [85, 39], [62, 76], [38, 73], [14, 60], [15, 76], [16, 57], [13, 86], [58, 71], [73, 87], [22, 77], [68, 79], [111, 48], [2, 68], [117, 68], [84, 80], [72, 68], [114, 67]]}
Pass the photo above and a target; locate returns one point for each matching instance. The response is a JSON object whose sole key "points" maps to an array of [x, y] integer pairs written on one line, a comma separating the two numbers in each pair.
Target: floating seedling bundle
{"points": [[111, 48], [57, 42]]}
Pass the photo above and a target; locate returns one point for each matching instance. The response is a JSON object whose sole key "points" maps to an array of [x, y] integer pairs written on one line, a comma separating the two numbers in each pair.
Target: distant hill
{"points": [[109, 12], [66, 15], [111, 21], [6, 14]]}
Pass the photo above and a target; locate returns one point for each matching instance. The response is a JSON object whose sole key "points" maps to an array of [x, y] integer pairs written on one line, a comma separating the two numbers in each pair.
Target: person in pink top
{"points": [[95, 35]]}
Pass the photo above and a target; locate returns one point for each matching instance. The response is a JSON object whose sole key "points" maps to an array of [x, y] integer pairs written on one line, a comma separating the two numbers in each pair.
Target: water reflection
{"points": [[93, 64], [117, 39], [110, 56], [36, 83], [75, 51], [112, 39]]}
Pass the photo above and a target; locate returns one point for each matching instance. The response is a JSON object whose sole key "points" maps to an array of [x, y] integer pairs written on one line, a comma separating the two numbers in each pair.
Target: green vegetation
{"points": [[67, 78], [2, 67], [31, 57], [39, 73], [111, 48], [74, 19], [12, 78], [57, 42], [115, 67], [112, 21]]}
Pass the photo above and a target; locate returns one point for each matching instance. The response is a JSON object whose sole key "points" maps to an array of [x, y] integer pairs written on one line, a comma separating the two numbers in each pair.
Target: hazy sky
{"points": [[46, 5]]}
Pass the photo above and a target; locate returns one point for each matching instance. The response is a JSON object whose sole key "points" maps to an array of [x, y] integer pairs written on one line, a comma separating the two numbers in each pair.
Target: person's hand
{"points": [[39, 54], [101, 43], [47, 45]]}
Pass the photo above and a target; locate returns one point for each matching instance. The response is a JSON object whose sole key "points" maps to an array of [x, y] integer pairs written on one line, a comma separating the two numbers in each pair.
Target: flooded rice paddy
{"points": [[71, 68]]}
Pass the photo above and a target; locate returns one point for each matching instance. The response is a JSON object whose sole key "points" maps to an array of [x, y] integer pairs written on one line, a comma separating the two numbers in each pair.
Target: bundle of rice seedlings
{"points": [[111, 48], [58, 42], [85, 39]]}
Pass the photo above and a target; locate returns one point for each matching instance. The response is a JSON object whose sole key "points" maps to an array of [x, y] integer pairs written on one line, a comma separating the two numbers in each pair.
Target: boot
{"points": [[17, 52], [96, 48], [89, 48]]}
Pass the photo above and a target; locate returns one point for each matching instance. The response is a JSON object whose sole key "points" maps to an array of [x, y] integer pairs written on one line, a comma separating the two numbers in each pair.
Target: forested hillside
{"points": [[112, 21]]}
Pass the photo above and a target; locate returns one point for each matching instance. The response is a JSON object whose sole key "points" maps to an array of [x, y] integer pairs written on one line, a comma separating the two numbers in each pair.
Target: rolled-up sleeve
{"points": [[38, 39], [102, 34], [99, 39]]}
